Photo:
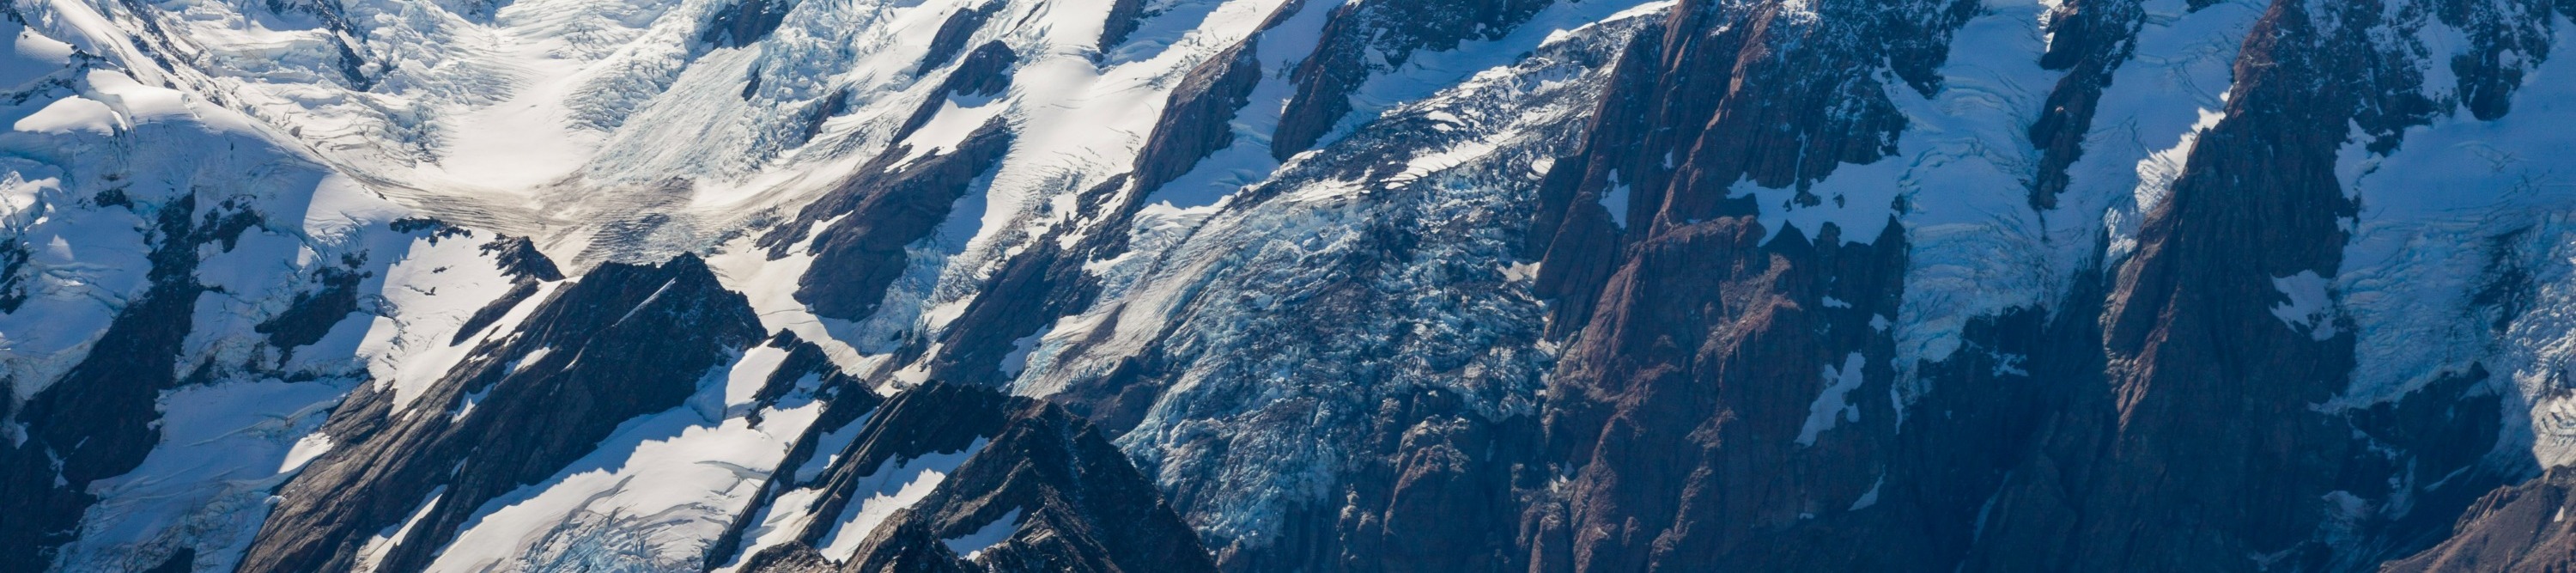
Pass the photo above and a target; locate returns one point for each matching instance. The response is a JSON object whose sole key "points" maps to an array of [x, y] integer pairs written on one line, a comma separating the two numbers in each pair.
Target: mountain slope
{"points": [[1265, 285]]}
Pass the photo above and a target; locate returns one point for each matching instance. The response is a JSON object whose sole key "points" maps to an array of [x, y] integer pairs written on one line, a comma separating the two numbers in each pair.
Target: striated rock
{"points": [[1701, 286], [982, 74], [1037, 490], [1195, 122], [2206, 394], [887, 203], [745, 23], [1709, 406], [2090, 39], [845, 401], [2516, 528], [621, 342], [952, 36], [1369, 37]]}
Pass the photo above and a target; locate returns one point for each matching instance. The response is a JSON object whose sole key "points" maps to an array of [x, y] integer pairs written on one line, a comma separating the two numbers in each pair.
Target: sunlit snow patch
{"points": [[896, 484]]}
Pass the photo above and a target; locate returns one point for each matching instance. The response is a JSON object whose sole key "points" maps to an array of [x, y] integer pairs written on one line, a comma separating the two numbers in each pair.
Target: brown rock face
{"points": [[1692, 429], [2519, 528], [1696, 412], [2206, 394]]}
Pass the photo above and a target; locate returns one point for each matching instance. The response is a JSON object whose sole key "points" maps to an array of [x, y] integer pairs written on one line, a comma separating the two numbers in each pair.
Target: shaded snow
{"points": [[973, 543], [1833, 406]]}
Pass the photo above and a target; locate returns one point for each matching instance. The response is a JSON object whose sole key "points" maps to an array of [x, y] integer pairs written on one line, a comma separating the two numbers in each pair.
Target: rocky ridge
{"points": [[1253, 285]]}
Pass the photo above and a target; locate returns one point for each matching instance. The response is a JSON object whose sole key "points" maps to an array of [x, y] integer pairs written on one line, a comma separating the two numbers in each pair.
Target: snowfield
{"points": [[329, 184]]}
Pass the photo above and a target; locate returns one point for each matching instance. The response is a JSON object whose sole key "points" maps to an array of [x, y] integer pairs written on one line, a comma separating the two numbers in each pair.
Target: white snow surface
{"points": [[606, 129], [895, 485], [2459, 209], [1978, 248]]}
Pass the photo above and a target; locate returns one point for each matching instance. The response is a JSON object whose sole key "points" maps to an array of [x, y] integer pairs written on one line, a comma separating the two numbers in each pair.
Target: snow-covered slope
{"points": [[1361, 285]]}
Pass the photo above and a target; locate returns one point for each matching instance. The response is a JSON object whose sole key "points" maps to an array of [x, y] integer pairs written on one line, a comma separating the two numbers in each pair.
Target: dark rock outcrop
{"points": [[1124, 16], [745, 22], [1685, 411], [13, 264], [1195, 123], [2207, 394], [100, 419], [984, 73], [952, 36], [1370, 37], [2521, 528], [2089, 39], [311, 315], [887, 203], [624, 341], [845, 399], [1073, 502], [526, 267], [1038, 286]]}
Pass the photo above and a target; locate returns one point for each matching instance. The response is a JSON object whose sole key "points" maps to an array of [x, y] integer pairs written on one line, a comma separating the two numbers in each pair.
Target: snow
{"points": [[2452, 210], [649, 496], [524, 140], [2309, 308], [31, 56], [1871, 497], [750, 372], [1218, 291], [70, 114], [947, 129], [371, 554], [1977, 247], [1833, 406], [310, 446], [206, 485], [787, 515], [1616, 201], [973, 543], [408, 347], [1018, 358], [340, 205], [894, 485], [539, 119], [2157, 172], [556, 118]]}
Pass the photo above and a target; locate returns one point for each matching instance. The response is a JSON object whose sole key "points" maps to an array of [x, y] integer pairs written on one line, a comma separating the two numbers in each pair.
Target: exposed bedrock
{"points": [[1037, 489], [622, 341]]}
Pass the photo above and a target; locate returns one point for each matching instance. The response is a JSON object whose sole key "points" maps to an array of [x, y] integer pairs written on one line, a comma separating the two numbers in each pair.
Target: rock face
{"points": [[864, 225], [1383, 286], [2516, 528], [99, 421], [621, 342], [1011, 485], [1374, 37]]}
